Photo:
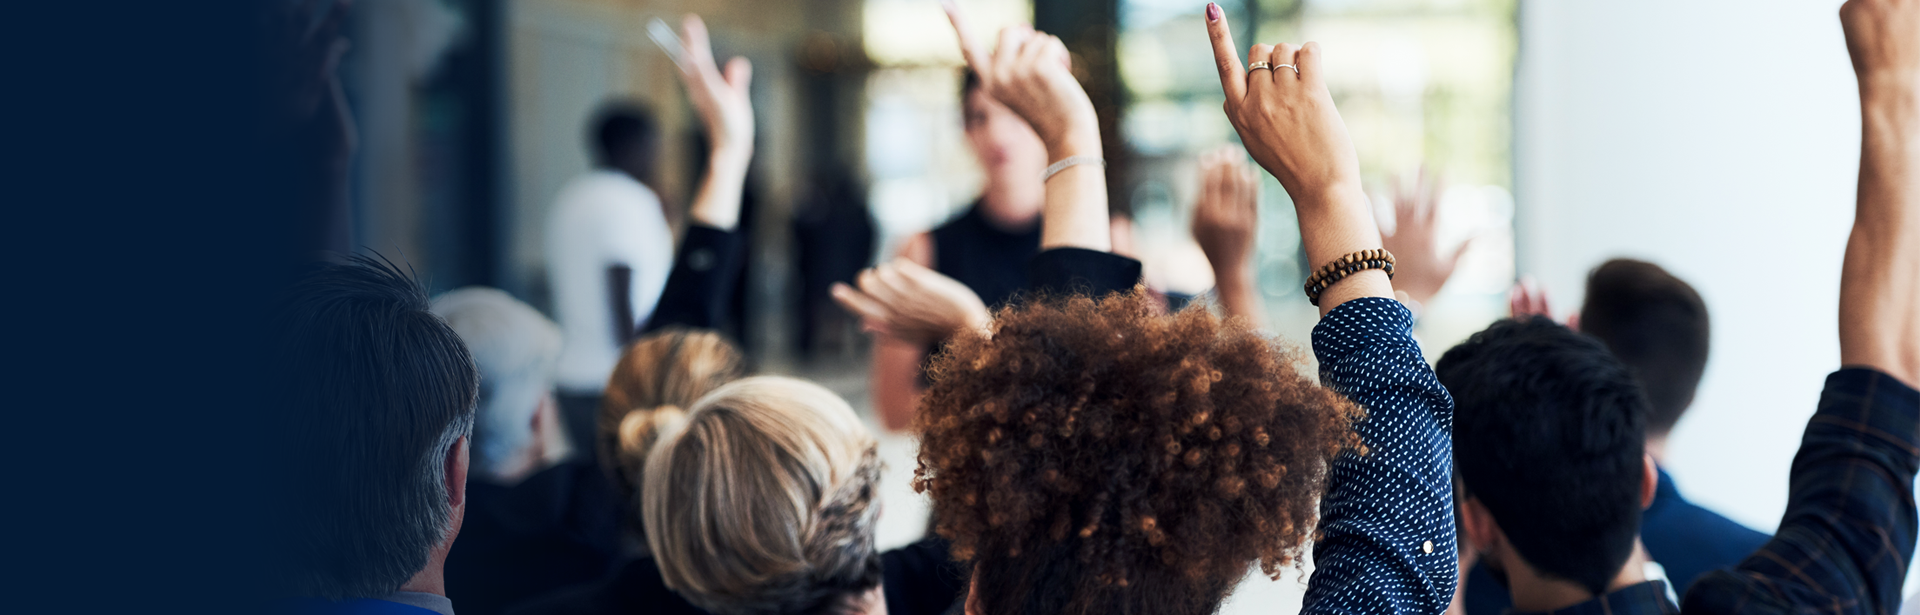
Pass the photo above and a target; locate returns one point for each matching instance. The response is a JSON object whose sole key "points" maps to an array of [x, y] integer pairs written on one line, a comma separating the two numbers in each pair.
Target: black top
{"points": [[920, 579], [559, 527], [987, 259]]}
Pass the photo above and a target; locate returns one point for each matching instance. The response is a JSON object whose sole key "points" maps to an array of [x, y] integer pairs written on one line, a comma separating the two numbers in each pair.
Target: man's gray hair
{"points": [[516, 349]]}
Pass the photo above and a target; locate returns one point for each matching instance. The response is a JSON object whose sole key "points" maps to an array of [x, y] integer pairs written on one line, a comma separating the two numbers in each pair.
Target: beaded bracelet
{"points": [[1345, 266]]}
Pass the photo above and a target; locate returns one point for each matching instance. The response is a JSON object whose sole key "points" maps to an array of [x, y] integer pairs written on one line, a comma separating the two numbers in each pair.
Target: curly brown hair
{"points": [[1096, 456]]}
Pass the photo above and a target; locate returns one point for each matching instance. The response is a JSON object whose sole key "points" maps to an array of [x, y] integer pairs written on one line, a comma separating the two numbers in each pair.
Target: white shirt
{"points": [[602, 219]]}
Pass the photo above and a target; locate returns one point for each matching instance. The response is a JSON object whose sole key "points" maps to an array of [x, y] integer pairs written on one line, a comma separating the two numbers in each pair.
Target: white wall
{"points": [[1718, 138]]}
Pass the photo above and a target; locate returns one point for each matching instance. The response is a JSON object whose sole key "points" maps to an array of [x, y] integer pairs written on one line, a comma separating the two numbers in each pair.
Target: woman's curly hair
{"points": [[1133, 449]]}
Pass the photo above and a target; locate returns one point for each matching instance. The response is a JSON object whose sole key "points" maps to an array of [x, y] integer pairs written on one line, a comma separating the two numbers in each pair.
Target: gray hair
{"points": [[516, 349]]}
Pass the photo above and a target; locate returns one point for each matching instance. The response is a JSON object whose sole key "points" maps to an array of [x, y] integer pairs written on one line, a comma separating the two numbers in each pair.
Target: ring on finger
{"points": [[1259, 65], [1296, 69]]}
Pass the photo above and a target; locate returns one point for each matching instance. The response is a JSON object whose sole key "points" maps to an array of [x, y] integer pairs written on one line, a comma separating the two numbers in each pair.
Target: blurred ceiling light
{"points": [[916, 32]]}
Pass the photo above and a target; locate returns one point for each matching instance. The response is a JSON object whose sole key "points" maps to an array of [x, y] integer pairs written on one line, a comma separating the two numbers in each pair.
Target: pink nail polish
{"points": [[1213, 12]]}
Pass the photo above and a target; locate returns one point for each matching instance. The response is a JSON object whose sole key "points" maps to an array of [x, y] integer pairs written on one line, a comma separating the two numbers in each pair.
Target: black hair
{"points": [[623, 129], [1657, 325], [376, 390], [1549, 436]]}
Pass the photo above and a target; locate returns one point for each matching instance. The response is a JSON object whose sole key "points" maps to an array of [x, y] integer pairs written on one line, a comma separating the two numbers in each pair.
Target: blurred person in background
{"points": [[381, 394], [609, 250], [610, 247], [986, 248], [1658, 326], [534, 524]]}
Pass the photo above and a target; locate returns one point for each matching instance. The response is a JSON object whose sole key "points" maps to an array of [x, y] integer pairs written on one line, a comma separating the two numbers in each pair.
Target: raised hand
{"points": [[911, 303], [1226, 218], [1422, 267], [1287, 120], [721, 101], [1883, 38], [1030, 74], [1528, 299]]}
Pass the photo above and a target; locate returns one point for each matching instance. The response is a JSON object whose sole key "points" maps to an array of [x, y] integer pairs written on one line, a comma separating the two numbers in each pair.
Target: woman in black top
{"points": [[986, 248]]}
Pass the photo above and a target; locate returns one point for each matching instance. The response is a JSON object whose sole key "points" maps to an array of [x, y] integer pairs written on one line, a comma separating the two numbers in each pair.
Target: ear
{"points": [[1481, 532], [973, 594], [1649, 482], [456, 465]]}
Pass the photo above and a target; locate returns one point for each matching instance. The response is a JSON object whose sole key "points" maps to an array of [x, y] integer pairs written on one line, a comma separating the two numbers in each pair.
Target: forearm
{"points": [[1239, 294], [1880, 280], [717, 203], [895, 381], [1076, 211], [1336, 223]]}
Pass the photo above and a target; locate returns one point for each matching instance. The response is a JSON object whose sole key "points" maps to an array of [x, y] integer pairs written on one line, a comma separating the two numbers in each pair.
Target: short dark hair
{"points": [[1657, 325], [620, 129], [377, 390], [1548, 434]]}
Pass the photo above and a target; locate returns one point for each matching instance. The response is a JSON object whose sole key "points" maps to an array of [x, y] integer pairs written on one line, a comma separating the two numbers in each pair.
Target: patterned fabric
{"points": [[1649, 598], [1386, 523], [1849, 530]]}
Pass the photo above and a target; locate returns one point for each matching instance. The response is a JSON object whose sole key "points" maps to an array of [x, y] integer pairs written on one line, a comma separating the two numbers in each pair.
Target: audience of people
{"points": [[1084, 450]]}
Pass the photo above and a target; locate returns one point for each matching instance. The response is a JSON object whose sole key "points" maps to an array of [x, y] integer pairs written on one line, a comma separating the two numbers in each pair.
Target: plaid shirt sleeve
{"points": [[1849, 529], [1386, 523]]}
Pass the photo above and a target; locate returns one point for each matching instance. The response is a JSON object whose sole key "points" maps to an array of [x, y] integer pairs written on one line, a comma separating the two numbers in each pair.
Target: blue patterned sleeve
{"points": [[1386, 523]]}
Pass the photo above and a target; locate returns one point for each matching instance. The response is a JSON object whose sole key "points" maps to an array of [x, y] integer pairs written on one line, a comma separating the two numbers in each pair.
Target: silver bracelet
{"points": [[1056, 168]]}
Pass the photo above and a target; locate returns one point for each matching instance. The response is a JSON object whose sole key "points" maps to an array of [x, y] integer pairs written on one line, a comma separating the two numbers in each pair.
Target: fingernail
{"points": [[1213, 12]]}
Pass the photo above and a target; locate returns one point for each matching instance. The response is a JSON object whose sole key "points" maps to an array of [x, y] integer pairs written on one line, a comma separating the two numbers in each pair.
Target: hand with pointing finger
{"points": [[1279, 104], [1285, 115]]}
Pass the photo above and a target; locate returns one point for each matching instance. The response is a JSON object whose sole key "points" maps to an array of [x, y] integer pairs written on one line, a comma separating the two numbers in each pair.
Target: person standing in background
{"points": [[609, 249], [986, 248]]}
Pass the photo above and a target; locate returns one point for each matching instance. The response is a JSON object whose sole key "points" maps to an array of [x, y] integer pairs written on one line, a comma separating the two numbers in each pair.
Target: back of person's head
{"points": [[1547, 436], [378, 392], [515, 349], [1657, 325], [657, 379], [1101, 457], [763, 501], [625, 136]]}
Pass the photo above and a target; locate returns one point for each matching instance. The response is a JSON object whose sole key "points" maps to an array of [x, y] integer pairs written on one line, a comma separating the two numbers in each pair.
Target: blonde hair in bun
{"points": [[657, 376]]}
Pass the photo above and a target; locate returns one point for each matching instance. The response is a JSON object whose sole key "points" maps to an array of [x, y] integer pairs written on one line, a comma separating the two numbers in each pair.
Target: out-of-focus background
{"points": [[1717, 138]]}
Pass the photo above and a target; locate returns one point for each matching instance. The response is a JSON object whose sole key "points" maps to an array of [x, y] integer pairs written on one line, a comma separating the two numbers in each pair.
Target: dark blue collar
{"points": [[1649, 598]]}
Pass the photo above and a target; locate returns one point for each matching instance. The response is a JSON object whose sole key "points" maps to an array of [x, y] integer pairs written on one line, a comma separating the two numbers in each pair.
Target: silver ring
{"points": [[1296, 69], [1259, 65]]}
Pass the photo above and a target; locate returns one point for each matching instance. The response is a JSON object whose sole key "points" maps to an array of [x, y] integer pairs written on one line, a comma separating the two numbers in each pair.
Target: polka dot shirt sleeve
{"points": [[1386, 523]]}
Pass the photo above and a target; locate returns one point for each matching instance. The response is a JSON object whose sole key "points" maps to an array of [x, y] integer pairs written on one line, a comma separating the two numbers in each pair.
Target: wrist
{"points": [[1331, 196], [1076, 141]]}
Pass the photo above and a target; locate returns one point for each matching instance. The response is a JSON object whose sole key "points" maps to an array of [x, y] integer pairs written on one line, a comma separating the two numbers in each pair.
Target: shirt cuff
{"points": [[1875, 407], [1367, 322], [1064, 271]]}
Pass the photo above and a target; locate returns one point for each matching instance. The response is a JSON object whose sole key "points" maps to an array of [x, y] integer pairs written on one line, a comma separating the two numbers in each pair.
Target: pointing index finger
{"points": [[969, 46], [1233, 76]]}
